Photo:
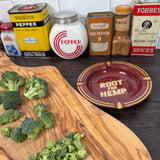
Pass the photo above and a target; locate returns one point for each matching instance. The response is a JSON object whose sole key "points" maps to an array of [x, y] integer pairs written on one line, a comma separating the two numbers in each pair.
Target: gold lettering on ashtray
{"points": [[112, 88]]}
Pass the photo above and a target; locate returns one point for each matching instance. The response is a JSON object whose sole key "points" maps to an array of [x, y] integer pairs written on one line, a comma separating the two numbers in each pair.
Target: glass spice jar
{"points": [[121, 39], [68, 36]]}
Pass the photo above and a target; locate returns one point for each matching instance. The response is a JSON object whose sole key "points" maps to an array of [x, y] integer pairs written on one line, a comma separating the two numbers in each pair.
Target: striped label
{"points": [[31, 24], [67, 45]]}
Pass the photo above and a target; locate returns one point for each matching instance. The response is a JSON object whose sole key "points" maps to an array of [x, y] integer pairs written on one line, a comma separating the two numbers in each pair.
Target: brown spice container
{"points": [[121, 40], [100, 32]]}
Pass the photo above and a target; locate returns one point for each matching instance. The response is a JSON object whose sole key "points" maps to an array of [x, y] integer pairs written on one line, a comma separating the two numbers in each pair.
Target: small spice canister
{"points": [[68, 37], [9, 40], [100, 32], [121, 39]]}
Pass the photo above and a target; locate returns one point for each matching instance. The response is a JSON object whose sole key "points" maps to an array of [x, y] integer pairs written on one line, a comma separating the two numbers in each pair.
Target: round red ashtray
{"points": [[114, 84]]}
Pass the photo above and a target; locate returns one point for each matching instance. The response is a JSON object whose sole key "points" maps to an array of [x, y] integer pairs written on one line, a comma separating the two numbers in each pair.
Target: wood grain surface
{"points": [[106, 138]]}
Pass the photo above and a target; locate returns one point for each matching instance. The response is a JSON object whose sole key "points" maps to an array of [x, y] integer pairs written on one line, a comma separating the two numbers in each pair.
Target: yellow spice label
{"points": [[33, 38], [29, 17]]}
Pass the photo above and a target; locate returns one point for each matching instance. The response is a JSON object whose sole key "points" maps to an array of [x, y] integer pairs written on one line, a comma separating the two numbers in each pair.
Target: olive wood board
{"points": [[105, 138]]}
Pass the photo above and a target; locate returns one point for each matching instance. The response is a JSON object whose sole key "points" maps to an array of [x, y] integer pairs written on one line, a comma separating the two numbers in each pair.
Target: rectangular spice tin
{"points": [[31, 25], [100, 32], [145, 28]]}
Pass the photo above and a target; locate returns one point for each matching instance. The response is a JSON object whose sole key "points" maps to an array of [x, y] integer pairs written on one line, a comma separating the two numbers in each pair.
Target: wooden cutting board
{"points": [[106, 138]]}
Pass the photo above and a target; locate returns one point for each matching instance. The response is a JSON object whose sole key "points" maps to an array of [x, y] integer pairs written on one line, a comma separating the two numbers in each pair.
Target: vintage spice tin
{"points": [[100, 32], [145, 28], [32, 26]]}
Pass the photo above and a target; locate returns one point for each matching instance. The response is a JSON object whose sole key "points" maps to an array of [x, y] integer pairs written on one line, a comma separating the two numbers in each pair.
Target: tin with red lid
{"points": [[9, 40]]}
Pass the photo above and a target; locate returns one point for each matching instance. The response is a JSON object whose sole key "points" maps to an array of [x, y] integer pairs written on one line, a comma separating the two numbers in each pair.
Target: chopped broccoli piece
{"points": [[36, 88], [82, 153], [1, 120], [71, 135], [9, 116], [50, 144], [6, 131], [1, 94], [30, 127], [17, 135], [65, 149], [40, 107], [46, 119], [34, 156], [77, 140], [11, 80], [11, 100]]}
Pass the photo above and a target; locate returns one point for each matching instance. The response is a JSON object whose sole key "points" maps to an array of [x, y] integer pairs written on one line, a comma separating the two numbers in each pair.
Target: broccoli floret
{"points": [[11, 80], [11, 100], [77, 140], [40, 107], [34, 156], [1, 94], [36, 88], [46, 119], [65, 149], [30, 127], [9, 116], [17, 135], [82, 153], [71, 156], [1, 120], [6, 131], [50, 144], [81, 149]]}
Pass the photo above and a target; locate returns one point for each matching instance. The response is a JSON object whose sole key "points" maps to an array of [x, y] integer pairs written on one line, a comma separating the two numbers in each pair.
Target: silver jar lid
{"points": [[65, 17]]}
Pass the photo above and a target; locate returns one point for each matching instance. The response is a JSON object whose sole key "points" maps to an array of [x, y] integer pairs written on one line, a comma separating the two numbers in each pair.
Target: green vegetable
{"points": [[69, 148], [11, 80], [39, 108], [10, 99], [30, 127], [46, 119], [9, 116], [50, 144], [36, 88], [1, 94], [17, 135], [6, 131], [35, 156]]}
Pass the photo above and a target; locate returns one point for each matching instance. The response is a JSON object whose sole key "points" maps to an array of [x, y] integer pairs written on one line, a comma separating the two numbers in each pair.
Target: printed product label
{"points": [[67, 44], [99, 47], [99, 25], [11, 50], [145, 29], [30, 40], [122, 24], [99, 37], [149, 10], [7, 38]]}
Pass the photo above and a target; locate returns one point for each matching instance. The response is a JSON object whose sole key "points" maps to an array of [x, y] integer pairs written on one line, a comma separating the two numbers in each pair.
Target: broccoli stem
{"points": [[12, 86], [31, 93]]}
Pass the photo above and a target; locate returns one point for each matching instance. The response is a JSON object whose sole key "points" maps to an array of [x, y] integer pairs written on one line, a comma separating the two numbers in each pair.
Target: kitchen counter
{"points": [[143, 119]]}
